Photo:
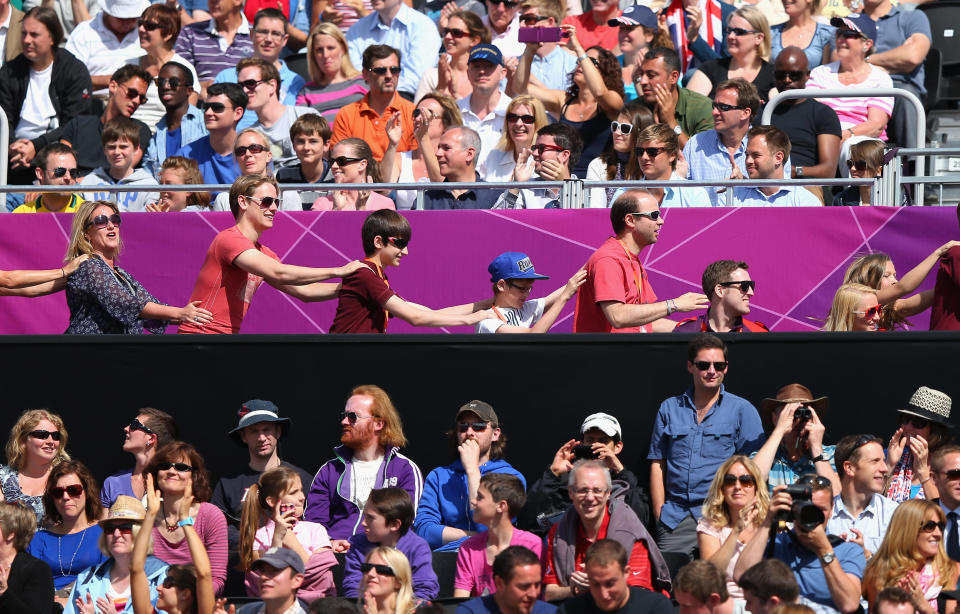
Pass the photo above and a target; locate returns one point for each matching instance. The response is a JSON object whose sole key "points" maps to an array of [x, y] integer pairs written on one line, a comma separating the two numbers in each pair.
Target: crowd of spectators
{"points": [[746, 509]]}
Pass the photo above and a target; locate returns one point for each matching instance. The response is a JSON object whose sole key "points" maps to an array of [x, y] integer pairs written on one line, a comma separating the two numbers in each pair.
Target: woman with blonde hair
{"points": [[803, 31], [912, 557], [525, 116], [748, 41], [352, 161], [177, 170], [735, 506], [37, 443], [855, 308], [272, 518], [102, 297], [334, 81], [387, 583], [254, 156]]}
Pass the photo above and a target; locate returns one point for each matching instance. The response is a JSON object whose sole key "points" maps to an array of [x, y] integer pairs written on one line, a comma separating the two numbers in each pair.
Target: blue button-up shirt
{"points": [[694, 451], [411, 32], [553, 70], [708, 160], [192, 128], [785, 472], [872, 521], [786, 196]]}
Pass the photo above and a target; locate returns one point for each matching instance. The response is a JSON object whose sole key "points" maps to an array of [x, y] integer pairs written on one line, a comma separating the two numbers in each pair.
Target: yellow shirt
{"points": [[37, 206]]}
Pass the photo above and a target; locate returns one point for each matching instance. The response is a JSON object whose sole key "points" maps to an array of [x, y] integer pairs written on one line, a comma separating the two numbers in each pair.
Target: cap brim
{"points": [[929, 417], [285, 423]]}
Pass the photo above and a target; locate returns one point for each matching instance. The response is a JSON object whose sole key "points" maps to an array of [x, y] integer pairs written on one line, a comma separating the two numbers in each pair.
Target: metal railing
{"points": [[5, 149], [861, 93], [892, 180]]}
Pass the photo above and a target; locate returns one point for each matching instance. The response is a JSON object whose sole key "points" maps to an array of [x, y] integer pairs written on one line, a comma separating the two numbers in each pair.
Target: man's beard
{"points": [[356, 435]]}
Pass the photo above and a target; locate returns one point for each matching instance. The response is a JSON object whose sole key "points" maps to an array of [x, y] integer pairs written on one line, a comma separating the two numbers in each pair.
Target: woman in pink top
{"points": [[174, 467], [735, 506], [352, 161]]}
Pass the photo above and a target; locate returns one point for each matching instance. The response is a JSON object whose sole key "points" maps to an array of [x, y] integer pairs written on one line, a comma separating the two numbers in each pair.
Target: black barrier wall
{"points": [[541, 386]]}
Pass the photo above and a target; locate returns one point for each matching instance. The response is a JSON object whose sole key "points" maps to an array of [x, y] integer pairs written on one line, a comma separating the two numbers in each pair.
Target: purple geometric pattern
{"points": [[797, 256]]}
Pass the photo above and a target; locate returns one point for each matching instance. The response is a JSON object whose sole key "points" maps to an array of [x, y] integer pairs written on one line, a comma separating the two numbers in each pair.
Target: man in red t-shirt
{"points": [[617, 297], [592, 27], [236, 263], [366, 299], [595, 516]]}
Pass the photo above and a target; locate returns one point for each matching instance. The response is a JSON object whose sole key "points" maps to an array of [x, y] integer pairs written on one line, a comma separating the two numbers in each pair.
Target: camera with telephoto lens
{"points": [[803, 513]]}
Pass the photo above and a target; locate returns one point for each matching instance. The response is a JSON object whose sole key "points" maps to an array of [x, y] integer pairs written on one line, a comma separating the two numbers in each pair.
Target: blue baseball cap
{"points": [[486, 52], [512, 265], [858, 22], [636, 15]]}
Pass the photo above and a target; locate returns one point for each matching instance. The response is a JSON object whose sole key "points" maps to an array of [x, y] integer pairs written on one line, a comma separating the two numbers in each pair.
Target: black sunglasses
{"points": [[382, 570], [951, 474], [42, 434], [101, 221], [849, 34], [382, 70], [454, 32], [344, 160], [133, 94], [652, 152], [916, 421], [724, 107], [149, 26], [181, 467], [653, 216], [173, 82], [531, 19], [793, 75], [930, 525], [704, 365], [745, 286], [505, 3], [398, 242], [860, 165], [216, 107], [123, 527], [250, 84], [352, 417], [478, 427], [742, 32], [254, 149], [136, 425], [811, 479], [745, 480], [74, 490], [527, 119], [61, 171]]}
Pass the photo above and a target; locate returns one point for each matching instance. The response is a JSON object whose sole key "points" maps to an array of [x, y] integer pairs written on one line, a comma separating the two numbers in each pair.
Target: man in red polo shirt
{"points": [[617, 296], [367, 118], [595, 516], [593, 28]]}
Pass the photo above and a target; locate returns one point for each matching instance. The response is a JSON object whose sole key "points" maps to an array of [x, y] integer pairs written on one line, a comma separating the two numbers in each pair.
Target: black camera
{"points": [[583, 452], [802, 413], [803, 513]]}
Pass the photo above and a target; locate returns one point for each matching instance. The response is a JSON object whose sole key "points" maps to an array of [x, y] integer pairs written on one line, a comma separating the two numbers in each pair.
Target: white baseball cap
{"points": [[605, 422], [124, 9]]}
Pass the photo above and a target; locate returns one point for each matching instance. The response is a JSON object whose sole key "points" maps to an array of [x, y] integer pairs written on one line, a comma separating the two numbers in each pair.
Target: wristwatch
{"points": [[828, 558], [819, 458], [677, 130], [798, 171]]}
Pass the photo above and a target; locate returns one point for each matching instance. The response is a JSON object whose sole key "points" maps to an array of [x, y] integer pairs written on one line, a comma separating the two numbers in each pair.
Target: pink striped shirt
{"points": [[852, 111], [211, 526]]}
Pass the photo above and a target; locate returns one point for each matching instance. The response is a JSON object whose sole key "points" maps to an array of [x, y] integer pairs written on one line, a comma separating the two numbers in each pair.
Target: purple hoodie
{"points": [[330, 501]]}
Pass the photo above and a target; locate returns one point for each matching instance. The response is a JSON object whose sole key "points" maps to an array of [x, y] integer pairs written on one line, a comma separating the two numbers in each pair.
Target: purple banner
{"points": [[797, 256]]}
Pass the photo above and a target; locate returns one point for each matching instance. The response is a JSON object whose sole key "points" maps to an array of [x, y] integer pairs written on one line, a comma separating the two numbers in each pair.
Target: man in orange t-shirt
{"points": [[617, 296]]}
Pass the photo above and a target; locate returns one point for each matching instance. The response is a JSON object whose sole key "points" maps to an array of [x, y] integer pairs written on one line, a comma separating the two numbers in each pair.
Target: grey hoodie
{"points": [[127, 201]]}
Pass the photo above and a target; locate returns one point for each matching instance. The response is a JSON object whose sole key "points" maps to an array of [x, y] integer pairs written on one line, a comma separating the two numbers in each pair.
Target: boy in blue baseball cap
{"points": [[513, 275]]}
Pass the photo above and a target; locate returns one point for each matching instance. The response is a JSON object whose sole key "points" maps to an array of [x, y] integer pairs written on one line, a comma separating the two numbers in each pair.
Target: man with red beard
{"points": [[371, 434]]}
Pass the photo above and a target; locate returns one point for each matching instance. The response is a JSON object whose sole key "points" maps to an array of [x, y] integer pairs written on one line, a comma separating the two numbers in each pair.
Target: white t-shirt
{"points": [[524, 317], [37, 115], [364, 479]]}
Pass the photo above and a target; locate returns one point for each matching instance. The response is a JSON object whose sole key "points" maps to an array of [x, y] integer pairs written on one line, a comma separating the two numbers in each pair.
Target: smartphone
{"points": [[583, 452], [539, 35], [286, 507]]}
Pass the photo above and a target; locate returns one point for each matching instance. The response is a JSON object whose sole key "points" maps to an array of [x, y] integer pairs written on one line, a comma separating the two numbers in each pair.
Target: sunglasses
{"points": [[398, 242], [539, 148], [532, 19], [527, 119], [623, 128], [61, 171], [741, 31], [149, 26], [216, 107], [848, 34], [133, 94], [169, 582], [344, 160], [174, 83], [870, 313], [265, 202], [136, 425], [860, 165], [815, 480], [478, 427], [930, 525], [916, 421], [124, 527], [42, 434], [652, 152], [793, 75], [179, 467], [251, 84], [505, 3], [101, 221], [723, 107], [454, 32], [352, 417], [704, 365], [382, 570], [745, 480], [382, 70], [74, 490], [254, 149], [951, 474], [745, 286], [653, 216]]}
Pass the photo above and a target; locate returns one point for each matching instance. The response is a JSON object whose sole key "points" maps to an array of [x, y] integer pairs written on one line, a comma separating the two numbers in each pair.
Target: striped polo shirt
{"points": [[202, 46]]}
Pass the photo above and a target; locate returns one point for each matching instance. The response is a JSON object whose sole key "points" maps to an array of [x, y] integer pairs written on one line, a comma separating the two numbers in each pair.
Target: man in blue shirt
{"points": [[694, 433], [552, 64], [516, 574], [768, 150], [182, 123], [828, 574], [222, 110]]}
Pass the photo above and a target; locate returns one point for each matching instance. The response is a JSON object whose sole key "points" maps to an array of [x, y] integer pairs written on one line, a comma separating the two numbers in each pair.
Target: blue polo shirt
{"points": [[471, 199], [808, 571], [694, 451], [893, 29]]}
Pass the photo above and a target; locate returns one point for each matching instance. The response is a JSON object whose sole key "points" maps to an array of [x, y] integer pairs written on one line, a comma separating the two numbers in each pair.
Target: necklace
{"points": [[69, 571]]}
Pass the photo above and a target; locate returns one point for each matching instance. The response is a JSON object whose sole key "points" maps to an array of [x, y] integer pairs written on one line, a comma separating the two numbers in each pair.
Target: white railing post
{"points": [[571, 194], [5, 141]]}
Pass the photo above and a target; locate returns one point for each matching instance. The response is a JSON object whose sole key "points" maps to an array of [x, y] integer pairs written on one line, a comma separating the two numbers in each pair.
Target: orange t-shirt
{"points": [[357, 119], [612, 275], [223, 288]]}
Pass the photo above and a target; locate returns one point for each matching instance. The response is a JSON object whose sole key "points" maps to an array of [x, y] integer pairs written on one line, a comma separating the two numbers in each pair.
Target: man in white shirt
{"points": [[108, 40], [485, 110], [768, 150]]}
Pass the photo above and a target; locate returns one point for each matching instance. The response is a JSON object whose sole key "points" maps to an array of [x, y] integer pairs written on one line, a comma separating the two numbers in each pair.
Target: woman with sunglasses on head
{"points": [[462, 31], [855, 308], [102, 297], [106, 587], [37, 443], [334, 82], [748, 41], [387, 584], [69, 545], [735, 506], [25, 583], [434, 114], [179, 473], [912, 557], [251, 150], [352, 161], [922, 431], [525, 116], [593, 100]]}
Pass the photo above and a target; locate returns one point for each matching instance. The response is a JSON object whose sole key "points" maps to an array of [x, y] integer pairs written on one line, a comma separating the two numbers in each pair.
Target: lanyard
{"points": [[379, 269], [498, 314], [636, 277]]}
